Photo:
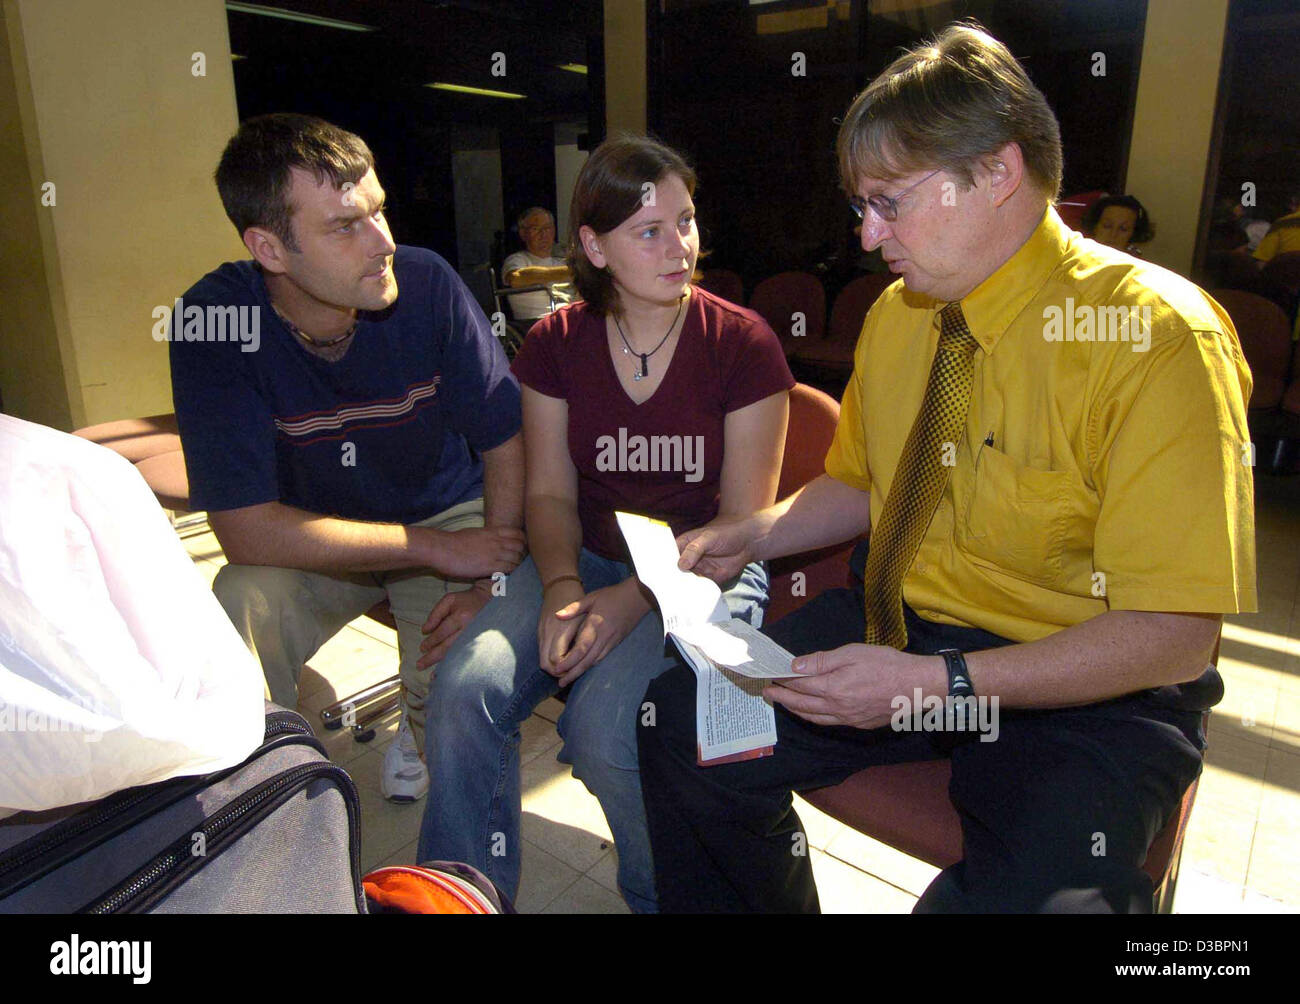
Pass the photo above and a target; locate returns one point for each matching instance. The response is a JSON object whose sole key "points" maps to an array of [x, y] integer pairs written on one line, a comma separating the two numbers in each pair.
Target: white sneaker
{"points": [[404, 778]]}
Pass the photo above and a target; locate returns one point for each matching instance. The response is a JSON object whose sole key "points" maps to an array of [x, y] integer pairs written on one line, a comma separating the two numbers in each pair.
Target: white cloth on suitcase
{"points": [[117, 665]]}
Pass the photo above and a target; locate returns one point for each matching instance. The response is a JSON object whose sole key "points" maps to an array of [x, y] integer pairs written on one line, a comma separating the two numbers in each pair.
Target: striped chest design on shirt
{"points": [[335, 423]]}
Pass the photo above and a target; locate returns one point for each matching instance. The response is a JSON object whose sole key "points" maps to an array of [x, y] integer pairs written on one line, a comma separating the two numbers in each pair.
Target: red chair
{"points": [[1277, 432], [1265, 338], [724, 283], [813, 417], [1236, 269], [781, 297], [153, 445], [834, 353], [1284, 272], [1282, 275], [136, 438], [1274, 414], [1073, 208]]}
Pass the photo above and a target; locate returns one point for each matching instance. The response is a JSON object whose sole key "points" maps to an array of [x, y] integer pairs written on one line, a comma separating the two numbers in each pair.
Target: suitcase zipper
{"points": [[173, 865], [114, 816], [280, 722], [23, 855]]}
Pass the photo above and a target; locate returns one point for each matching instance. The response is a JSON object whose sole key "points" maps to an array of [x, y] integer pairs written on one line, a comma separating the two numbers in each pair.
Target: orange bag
{"points": [[437, 887]]}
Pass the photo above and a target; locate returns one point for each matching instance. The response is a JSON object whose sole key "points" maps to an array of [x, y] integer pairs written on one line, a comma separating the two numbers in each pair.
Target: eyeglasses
{"points": [[882, 205]]}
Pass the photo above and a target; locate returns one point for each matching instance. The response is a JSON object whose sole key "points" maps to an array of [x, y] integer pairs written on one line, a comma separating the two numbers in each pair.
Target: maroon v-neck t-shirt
{"points": [[727, 358]]}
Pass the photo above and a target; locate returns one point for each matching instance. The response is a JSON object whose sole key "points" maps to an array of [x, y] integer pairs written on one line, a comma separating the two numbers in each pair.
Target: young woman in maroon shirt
{"points": [[651, 396]]}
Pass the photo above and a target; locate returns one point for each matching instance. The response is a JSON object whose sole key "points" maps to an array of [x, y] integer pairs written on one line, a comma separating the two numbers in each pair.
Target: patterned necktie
{"points": [[919, 480]]}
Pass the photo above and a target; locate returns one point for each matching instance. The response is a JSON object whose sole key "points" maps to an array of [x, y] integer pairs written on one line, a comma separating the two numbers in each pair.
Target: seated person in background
{"points": [[537, 263], [1252, 229], [1118, 221], [1232, 228], [646, 363], [340, 462], [1017, 485], [1283, 236]]}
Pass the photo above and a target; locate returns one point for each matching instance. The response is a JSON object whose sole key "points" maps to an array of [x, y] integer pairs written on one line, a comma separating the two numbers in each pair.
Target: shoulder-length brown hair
{"points": [[609, 189]]}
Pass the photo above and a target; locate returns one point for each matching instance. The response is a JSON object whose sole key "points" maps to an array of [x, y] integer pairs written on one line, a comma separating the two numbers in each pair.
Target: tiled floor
{"points": [[1239, 850]]}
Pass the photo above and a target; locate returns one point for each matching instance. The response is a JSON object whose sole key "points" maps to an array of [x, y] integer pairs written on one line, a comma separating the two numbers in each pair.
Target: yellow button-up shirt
{"points": [[1105, 462]]}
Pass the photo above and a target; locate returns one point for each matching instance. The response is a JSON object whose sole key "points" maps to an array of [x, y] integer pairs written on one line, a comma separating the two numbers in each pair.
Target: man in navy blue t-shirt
{"points": [[348, 443]]}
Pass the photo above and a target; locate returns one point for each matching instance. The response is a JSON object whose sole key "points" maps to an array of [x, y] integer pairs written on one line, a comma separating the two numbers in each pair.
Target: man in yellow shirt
{"points": [[1047, 439], [1282, 237]]}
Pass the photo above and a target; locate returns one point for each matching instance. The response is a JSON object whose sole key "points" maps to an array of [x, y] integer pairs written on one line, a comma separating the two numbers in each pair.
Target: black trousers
{"points": [[1057, 814]]}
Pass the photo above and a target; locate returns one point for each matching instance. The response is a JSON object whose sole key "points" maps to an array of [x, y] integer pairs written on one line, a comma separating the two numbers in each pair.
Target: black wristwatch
{"points": [[959, 684]]}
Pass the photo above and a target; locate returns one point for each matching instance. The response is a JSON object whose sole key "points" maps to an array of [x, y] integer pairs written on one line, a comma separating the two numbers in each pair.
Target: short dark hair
{"points": [[1143, 228], [608, 190], [947, 104], [253, 175]]}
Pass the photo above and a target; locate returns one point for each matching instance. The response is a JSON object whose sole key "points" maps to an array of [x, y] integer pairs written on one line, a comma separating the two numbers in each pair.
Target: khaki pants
{"points": [[285, 615]]}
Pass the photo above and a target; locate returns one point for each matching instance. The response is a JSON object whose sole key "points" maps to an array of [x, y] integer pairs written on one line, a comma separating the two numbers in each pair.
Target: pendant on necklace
{"points": [[644, 371]]}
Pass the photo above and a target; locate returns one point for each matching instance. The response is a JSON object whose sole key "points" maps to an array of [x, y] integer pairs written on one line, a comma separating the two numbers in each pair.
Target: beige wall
{"points": [[110, 110], [38, 368], [568, 163], [625, 66], [1173, 121]]}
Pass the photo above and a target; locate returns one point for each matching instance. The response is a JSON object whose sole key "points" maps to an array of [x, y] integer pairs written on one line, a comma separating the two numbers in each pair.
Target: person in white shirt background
{"points": [[537, 263]]}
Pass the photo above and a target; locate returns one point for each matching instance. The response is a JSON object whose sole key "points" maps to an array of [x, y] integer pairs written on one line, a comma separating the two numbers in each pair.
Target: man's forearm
{"points": [[824, 512], [535, 274], [277, 534], [503, 483], [280, 535], [1115, 653], [503, 488], [1111, 655]]}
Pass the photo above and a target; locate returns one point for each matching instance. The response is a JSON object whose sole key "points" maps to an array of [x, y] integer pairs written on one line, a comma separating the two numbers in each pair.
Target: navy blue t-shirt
{"points": [[384, 434]]}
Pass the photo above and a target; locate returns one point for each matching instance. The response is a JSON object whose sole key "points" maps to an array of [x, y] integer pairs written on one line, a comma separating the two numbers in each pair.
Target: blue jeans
{"points": [[490, 682]]}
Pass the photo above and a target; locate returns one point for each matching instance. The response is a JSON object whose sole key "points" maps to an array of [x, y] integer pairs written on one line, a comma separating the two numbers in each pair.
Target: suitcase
{"points": [[278, 833]]}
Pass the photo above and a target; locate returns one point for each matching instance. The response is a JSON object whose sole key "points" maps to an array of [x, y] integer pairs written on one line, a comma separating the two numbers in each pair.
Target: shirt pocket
{"points": [[1016, 518]]}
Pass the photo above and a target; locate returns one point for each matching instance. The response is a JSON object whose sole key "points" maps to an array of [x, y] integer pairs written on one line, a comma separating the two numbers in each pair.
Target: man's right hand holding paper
{"points": [[717, 550]]}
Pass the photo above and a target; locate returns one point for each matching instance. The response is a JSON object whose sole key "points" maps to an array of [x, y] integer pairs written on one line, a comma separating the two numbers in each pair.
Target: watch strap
{"points": [[959, 683]]}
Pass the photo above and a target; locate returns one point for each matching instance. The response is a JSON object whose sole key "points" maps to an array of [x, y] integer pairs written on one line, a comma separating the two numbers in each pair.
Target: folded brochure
{"points": [[731, 658]]}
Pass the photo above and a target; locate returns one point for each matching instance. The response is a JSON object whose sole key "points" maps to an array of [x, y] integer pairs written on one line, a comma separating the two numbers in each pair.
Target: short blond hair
{"points": [[948, 104]]}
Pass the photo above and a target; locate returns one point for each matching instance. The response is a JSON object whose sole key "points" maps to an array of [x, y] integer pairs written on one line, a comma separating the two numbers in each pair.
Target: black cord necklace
{"points": [[645, 356], [311, 341]]}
